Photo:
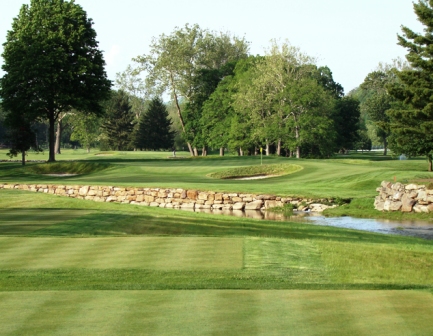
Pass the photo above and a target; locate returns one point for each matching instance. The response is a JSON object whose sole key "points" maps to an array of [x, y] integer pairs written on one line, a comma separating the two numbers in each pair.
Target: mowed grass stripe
{"points": [[216, 312], [15, 221], [162, 253]]}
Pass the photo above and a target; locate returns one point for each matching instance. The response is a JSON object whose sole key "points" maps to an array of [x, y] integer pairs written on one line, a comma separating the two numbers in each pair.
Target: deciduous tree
{"points": [[174, 60], [52, 64]]}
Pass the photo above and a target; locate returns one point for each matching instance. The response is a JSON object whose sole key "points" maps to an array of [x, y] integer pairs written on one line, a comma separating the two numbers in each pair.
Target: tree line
{"points": [[221, 96]]}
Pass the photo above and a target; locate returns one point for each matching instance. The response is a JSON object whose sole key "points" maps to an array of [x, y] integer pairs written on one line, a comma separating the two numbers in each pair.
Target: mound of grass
{"points": [[75, 167], [249, 171]]}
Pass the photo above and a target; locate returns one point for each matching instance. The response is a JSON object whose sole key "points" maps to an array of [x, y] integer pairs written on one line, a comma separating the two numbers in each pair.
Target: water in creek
{"points": [[406, 228]]}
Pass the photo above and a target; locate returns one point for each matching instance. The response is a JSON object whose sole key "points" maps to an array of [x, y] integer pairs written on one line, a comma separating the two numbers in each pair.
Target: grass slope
{"points": [[353, 177]]}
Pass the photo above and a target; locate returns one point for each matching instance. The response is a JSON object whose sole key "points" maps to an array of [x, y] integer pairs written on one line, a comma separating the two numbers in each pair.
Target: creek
{"points": [[406, 228]]}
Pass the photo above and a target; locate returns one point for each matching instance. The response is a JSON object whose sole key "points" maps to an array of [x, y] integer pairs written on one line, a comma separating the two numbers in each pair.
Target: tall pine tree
{"points": [[119, 122], [154, 130], [412, 117]]}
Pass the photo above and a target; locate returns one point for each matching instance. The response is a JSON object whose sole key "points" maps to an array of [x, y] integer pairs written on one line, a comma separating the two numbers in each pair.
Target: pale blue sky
{"points": [[349, 36]]}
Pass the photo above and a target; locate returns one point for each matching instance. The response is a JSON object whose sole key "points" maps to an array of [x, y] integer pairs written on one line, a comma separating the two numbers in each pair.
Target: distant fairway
{"points": [[216, 312], [346, 176], [146, 253]]}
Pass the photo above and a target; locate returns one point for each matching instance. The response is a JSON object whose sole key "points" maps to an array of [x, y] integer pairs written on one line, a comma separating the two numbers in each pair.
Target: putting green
{"points": [[16, 221], [167, 253], [216, 312]]}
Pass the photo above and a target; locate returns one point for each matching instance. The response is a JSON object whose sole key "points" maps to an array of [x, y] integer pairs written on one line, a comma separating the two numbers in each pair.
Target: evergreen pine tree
{"points": [[154, 130], [119, 122], [412, 118]]}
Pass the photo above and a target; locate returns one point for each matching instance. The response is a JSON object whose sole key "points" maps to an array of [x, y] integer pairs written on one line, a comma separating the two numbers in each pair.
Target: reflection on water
{"points": [[407, 228]]}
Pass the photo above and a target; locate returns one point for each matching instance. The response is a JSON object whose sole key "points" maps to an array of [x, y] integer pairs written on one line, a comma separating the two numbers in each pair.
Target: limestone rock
{"points": [[239, 206], [255, 205], [83, 190], [395, 206], [379, 203], [192, 194], [265, 197]]}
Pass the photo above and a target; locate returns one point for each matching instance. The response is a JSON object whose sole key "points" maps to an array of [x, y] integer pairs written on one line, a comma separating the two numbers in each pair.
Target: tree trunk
{"points": [[204, 151], [88, 149], [241, 152], [58, 136], [195, 153], [23, 158], [267, 148], [279, 147], [51, 138], [221, 151], [179, 113], [385, 146], [430, 164], [298, 148]]}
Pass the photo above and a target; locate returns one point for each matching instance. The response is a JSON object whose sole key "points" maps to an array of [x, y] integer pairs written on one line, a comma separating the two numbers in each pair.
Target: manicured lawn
{"points": [[164, 253], [75, 267], [341, 177], [216, 312]]}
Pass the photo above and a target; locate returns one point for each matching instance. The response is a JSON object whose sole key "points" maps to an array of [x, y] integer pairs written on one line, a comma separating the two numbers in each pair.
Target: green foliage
{"points": [[412, 118], [154, 129], [52, 64], [286, 209], [119, 121], [272, 169], [175, 60], [346, 120], [85, 128]]}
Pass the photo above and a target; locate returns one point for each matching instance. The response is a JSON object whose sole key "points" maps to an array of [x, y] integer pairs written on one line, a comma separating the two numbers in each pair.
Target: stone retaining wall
{"points": [[173, 198], [405, 198]]}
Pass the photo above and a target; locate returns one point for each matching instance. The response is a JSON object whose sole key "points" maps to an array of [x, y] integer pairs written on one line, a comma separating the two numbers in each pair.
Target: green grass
{"points": [[271, 169], [341, 177], [216, 313], [163, 253], [75, 267]]}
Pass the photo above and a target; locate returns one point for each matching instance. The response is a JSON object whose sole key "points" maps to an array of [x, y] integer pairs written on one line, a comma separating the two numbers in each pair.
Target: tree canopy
{"points": [[412, 117], [52, 64]]}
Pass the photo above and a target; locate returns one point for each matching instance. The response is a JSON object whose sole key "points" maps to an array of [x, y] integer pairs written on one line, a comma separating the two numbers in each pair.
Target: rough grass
{"points": [[77, 168], [270, 169]]}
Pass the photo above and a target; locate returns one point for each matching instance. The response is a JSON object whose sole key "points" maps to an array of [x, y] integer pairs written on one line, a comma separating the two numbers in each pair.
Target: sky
{"points": [[351, 37]]}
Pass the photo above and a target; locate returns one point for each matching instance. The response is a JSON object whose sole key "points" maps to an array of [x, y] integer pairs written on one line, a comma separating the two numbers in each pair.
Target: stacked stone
{"points": [[172, 198], [405, 198]]}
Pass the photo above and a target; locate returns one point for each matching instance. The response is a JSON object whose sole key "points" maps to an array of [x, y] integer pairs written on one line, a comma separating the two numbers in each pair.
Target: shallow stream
{"points": [[405, 228]]}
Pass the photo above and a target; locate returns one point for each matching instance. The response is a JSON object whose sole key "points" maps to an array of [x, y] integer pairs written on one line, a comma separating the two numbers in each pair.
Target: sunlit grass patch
{"points": [[377, 263]]}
